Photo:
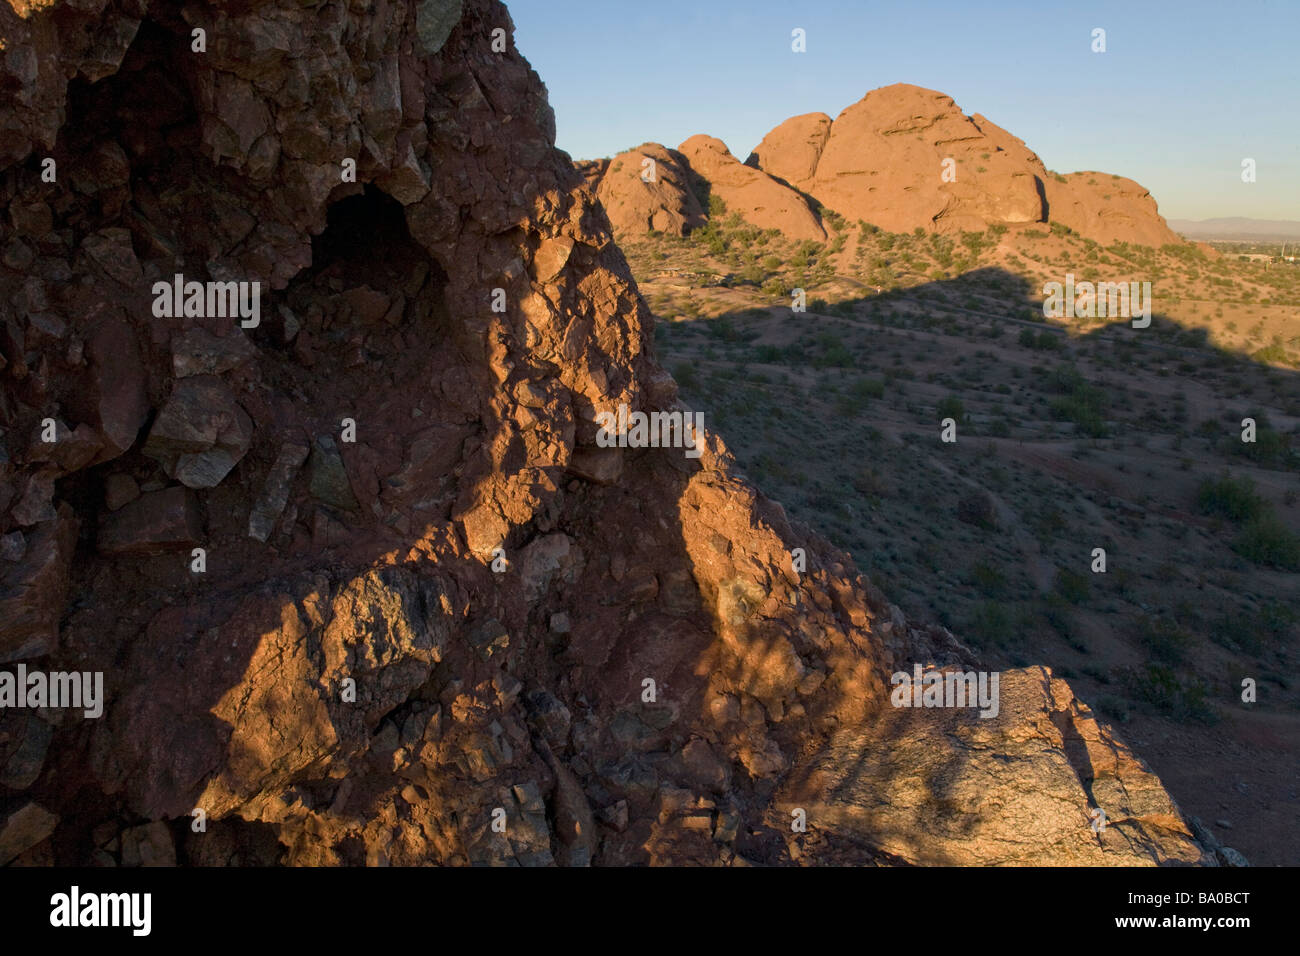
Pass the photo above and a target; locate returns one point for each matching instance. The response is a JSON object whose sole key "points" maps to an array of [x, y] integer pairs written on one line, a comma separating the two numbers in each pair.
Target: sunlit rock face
{"points": [[904, 157]]}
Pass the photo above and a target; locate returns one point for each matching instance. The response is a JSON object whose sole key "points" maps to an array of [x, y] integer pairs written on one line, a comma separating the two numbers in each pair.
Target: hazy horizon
{"points": [[1170, 104]]}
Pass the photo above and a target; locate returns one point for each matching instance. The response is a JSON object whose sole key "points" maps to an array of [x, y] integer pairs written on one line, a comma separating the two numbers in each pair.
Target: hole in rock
{"points": [[370, 225]]}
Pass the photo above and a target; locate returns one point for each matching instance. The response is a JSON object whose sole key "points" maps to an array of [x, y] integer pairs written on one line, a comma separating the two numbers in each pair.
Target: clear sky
{"points": [[1184, 92]]}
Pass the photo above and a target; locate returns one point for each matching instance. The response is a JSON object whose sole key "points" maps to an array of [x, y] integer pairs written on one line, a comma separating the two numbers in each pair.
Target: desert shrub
{"points": [[1228, 497], [1073, 586], [1160, 687], [989, 623], [951, 407], [868, 388], [1076, 401], [1266, 540], [990, 581], [1270, 447], [1254, 632], [1163, 638], [684, 373]]}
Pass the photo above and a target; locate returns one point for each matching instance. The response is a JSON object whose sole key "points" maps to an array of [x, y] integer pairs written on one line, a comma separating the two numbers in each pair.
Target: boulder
{"points": [[649, 188], [790, 152], [201, 432], [23, 828], [33, 590]]}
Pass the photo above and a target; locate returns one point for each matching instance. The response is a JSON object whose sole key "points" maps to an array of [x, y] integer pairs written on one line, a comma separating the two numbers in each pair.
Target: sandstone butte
{"points": [[349, 681], [883, 160]]}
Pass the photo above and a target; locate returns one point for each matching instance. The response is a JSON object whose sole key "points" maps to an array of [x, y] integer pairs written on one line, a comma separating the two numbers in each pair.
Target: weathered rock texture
{"points": [[424, 594]]}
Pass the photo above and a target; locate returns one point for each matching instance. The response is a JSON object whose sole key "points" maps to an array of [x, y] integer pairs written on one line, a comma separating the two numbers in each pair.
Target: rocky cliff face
{"points": [[362, 584]]}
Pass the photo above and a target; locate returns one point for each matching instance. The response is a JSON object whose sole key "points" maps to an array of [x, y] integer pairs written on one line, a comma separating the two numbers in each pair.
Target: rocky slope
{"points": [[431, 620]]}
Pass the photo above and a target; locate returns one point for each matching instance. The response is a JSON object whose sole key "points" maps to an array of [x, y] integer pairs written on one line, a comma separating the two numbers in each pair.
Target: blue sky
{"points": [[1184, 91]]}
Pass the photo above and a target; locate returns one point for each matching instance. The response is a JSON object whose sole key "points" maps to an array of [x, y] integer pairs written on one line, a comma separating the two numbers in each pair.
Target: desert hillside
{"points": [[1071, 434]]}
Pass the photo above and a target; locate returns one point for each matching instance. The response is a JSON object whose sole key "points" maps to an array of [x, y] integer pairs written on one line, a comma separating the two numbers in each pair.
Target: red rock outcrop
{"points": [[758, 198], [904, 156], [644, 189], [1108, 209], [790, 151], [652, 188], [361, 581]]}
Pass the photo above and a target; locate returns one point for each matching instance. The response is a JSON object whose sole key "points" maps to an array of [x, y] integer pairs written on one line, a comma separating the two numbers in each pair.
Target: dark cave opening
{"points": [[370, 224], [146, 106], [366, 242]]}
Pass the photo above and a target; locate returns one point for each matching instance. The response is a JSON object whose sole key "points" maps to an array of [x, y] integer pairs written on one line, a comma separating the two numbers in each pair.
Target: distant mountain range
{"points": [[1237, 227]]}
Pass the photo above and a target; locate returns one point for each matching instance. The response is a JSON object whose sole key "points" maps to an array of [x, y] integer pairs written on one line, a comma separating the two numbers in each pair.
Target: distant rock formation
{"points": [[648, 188], [1108, 209], [904, 156], [790, 151], [758, 198], [653, 188]]}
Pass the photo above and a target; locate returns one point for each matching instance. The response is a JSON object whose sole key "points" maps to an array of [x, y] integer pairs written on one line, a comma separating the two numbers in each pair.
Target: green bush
{"points": [[1257, 632], [1163, 638], [1077, 401], [951, 407], [1228, 497], [1160, 687], [989, 624], [1073, 586], [868, 388], [684, 373], [987, 578], [1265, 540]]}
